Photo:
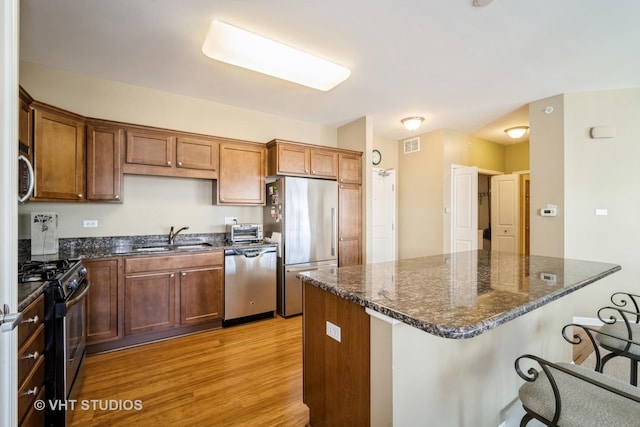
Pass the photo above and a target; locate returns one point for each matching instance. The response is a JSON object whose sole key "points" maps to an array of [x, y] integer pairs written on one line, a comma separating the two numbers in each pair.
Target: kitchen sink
{"points": [[167, 247]]}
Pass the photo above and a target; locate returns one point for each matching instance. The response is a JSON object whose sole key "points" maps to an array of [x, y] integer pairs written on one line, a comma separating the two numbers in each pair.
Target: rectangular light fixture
{"points": [[242, 48]]}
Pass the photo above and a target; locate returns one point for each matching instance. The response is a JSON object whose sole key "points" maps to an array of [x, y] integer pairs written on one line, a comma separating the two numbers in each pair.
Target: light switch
{"points": [[602, 212]]}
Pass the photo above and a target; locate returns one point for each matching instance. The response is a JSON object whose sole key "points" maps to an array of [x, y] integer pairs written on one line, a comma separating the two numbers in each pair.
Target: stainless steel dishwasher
{"points": [[249, 282]]}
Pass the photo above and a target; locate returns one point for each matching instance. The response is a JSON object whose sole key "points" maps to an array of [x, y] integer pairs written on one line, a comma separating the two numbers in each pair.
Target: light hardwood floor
{"points": [[245, 375]]}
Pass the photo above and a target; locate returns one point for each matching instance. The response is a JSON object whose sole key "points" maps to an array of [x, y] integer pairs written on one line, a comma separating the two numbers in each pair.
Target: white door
{"points": [[8, 206], [505, 217], [464, 201], [383, 217]]}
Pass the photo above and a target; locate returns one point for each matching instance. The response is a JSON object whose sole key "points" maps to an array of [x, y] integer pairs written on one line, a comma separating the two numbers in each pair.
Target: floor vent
{"points": [[412, 145]]}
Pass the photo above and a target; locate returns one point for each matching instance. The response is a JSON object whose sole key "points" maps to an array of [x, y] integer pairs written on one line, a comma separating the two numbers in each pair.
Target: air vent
{"points": [[412, 145]]}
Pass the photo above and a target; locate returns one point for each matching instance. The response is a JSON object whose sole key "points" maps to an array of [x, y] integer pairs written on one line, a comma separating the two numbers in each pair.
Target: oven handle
{"points": [[77, 299]]}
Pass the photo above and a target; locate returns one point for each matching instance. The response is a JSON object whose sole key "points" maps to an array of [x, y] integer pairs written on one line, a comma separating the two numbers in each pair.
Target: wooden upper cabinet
{"points": [[104, 163], [25, 123], [324, 163], [149, 148], [59, 154], [290, 159], [350, 168], [241, 179], [197, 153]]}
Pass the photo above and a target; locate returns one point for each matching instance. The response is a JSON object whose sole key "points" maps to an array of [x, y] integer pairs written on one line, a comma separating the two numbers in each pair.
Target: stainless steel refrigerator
{"points": [[304, 211]]}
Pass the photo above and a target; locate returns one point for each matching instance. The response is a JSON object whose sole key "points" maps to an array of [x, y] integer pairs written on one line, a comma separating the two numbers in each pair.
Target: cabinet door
{"points": [[150, 303], [200, 295], [350, 225], [241, 179], [293, 159], [25, 123], [197, 153], [104, 163], [350, 168], [324, 163], [59, 156], [104, 301], [149, 148]]}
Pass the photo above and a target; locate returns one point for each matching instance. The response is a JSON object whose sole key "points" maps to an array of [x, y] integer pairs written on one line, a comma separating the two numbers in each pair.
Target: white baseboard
{"points": [[588, 321]]}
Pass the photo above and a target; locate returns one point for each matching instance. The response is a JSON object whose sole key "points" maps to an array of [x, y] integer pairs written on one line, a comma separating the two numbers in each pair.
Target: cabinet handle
{"points": [[183, 274], [342, 186], [342, 239], [33, 355], [79, 196], [168, 162], [34, 319], [172, 275], [306, 171], [117, 197], [179, 163], [33, 391]]}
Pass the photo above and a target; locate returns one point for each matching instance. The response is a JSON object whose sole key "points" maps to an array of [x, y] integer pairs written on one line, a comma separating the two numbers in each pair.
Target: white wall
{"points": [[603, 173], [153, 204]]}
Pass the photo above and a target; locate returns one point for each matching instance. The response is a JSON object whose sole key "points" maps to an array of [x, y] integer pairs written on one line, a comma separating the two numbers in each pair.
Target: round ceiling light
{"points": [[516, 132], [412, 123]]}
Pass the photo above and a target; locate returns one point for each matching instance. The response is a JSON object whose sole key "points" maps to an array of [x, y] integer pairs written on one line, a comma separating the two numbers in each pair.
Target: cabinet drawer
{"points": [[31, 318], [29, 354], [172, 262], [30, 389], [34, 417]]}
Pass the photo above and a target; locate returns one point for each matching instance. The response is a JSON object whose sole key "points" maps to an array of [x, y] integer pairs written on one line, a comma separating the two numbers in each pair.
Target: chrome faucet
{"points": [[172, 235]]}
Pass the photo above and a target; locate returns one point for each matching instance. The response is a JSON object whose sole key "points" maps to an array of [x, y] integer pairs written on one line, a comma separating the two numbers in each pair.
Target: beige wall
{"points": [[420, 206], [602, 174], [153, 204], [546, 136], [389, 150], [516, 157]]}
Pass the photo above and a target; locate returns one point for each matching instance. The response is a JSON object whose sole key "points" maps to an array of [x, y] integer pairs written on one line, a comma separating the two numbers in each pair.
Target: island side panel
{"points": [[336, 375], [464, 382]]}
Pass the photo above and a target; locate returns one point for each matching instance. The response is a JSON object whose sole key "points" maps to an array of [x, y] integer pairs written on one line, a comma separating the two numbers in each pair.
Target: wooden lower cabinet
{"points": [[336, 374], [150, 302], [31, 354], [104, 300], [349, 225], [200, 295]]}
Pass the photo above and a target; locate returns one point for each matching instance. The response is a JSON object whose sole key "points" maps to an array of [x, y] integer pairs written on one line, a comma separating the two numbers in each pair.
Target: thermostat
{"points": [[548, 212]]}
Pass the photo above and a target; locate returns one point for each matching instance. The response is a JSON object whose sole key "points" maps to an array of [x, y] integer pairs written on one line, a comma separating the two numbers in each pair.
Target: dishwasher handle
{"points": [[248, 253]]}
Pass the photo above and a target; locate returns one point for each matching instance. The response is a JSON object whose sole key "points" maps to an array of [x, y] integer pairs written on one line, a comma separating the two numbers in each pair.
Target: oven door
{"points": [[75, 334]]}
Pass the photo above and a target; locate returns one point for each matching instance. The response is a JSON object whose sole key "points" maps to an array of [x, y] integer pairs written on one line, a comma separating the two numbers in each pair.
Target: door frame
{"points": [[9, 39], [395, 207]]}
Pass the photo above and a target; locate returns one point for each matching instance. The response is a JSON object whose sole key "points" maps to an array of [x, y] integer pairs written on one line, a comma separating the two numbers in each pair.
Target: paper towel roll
{"points": [[276, 237]]}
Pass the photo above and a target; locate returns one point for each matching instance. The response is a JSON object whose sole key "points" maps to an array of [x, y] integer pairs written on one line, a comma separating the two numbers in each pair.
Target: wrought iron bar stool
{"points": [[622, 320], [563, 394]]}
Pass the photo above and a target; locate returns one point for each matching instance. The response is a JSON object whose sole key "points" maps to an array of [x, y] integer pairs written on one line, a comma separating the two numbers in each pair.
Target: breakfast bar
{"points": [[432, 341]]}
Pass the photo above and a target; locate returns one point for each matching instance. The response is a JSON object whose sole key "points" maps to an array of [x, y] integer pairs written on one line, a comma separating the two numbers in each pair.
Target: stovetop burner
{"points": [[40, 271]]}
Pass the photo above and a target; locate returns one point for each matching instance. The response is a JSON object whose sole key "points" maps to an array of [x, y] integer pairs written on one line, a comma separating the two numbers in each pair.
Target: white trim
{"points": [[381, 316], [9, 44], [588, 321], [489, 172]]}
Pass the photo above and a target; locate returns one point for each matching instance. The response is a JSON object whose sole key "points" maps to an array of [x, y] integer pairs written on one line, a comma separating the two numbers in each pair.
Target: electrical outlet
{"points": [[230, 220], [90, 223], [548, 277], [333, 331]]}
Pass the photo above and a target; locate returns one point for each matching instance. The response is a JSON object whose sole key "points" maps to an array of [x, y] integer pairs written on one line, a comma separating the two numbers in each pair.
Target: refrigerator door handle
{"points": [[333, 231]]}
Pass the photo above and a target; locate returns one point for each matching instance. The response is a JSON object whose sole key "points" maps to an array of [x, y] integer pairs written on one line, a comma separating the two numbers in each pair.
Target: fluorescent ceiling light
{"points": [[516, 132], [239, 47]]}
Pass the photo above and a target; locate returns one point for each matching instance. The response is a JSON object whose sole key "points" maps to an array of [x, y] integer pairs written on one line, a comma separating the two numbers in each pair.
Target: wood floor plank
{"points": [[246, 375]]}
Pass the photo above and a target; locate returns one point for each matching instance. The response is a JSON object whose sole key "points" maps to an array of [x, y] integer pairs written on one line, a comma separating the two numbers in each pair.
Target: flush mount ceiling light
{"points": [[516, 132], [412, 123], [242, 48]]}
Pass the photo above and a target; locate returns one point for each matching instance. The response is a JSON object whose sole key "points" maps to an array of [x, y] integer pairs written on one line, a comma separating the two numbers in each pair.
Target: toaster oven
{"points": [[244, 233]]}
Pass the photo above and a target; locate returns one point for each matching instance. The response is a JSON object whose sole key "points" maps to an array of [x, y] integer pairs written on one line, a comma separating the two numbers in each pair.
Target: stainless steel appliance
{"points": [[249, 282], [304, 212], [65, 332], [244, 233], [26, 178]]}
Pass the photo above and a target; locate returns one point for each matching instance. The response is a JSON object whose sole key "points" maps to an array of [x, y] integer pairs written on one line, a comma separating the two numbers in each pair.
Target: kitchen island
{"points": [[432, 341]]}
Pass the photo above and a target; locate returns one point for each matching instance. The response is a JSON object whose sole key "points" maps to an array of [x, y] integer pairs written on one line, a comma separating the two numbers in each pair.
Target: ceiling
{"points": [[462, 67]]}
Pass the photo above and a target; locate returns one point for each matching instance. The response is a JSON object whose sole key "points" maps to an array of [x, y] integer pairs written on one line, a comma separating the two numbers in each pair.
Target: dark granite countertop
{"points": [[459, 295], [108, 247]]}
